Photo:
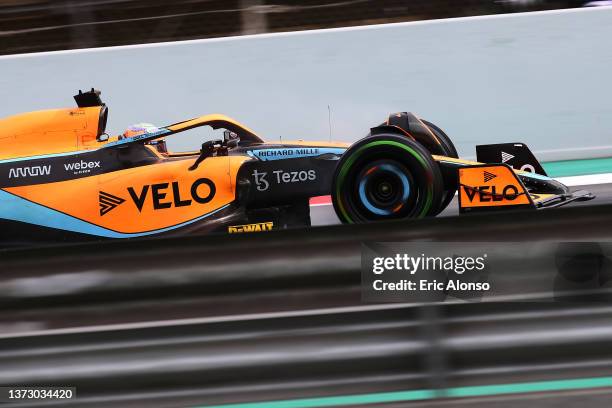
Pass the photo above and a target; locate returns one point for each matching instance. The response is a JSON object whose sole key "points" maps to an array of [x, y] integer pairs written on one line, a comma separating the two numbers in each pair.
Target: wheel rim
{"points": [[384, 188]]}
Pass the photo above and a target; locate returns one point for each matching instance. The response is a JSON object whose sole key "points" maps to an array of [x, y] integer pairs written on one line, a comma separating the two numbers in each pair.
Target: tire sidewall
{"points": [[423, 170]]}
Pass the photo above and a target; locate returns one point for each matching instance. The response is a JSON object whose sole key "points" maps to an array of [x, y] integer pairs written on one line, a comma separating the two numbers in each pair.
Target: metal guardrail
{"points": [[299, 350], [230, 274], [333, 352]]}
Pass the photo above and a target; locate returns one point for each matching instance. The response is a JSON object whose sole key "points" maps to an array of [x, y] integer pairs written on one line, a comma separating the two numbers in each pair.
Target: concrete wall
{"points": [[541, 78]]}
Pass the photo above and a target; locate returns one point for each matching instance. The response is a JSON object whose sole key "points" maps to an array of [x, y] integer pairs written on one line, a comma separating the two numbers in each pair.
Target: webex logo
{"points": [[82, 166], [32, 171]]}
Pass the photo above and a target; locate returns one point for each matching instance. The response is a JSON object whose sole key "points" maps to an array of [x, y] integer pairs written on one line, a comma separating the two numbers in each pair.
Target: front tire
{"points": [[386, 177]]}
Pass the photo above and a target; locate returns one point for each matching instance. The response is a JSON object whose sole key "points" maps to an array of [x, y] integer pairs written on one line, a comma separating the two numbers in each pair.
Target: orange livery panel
{"points": [[491, 186], [142, 199]]}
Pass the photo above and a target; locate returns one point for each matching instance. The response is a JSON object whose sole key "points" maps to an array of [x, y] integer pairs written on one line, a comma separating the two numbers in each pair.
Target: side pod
{"points": [[491, 187]]}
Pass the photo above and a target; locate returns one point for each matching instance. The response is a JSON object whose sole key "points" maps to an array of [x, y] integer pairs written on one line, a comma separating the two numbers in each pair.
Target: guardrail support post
{"points": [[435, 359], [253, 17]]}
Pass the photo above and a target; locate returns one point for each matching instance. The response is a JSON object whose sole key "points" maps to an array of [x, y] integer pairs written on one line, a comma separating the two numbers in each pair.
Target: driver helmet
{"points": [[146, 128]]}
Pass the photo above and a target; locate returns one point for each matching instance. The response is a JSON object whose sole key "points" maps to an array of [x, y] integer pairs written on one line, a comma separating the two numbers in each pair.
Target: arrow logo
{"points": [[108, 202], [506, 157], [488, 176]]}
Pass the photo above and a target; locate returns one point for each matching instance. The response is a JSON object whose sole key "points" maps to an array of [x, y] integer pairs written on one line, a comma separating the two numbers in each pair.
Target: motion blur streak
{"points": [[325, 354], [248, 328], [37, 25]]}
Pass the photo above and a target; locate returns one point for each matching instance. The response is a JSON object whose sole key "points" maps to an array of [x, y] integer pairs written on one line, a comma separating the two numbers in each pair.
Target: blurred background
{"points": [[249, 320], [472, 76], [35, 25]]}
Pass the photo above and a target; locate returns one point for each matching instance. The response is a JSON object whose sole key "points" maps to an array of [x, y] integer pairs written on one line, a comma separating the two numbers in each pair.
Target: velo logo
{"points": [[491, 192], [506, 157], [161, 196], [109, 202], [488, 176]]}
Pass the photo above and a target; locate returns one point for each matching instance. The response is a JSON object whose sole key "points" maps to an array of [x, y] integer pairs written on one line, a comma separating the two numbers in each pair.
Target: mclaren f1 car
{"points": [[63, 178]]}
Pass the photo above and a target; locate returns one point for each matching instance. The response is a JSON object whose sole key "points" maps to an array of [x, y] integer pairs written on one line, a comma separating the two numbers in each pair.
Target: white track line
{"points": [[587, 180]]}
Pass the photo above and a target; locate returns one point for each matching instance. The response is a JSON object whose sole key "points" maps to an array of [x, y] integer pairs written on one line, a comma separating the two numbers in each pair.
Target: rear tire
{"points": [[386, 177]]}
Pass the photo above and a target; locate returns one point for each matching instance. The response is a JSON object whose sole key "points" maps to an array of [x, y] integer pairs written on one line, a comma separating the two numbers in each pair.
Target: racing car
{"points": [[62, 177]]}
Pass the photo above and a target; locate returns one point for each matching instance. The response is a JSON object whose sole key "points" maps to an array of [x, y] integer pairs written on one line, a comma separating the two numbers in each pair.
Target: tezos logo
{"points": [[261, 181], [33, 171], [282, 177], [161, 195]]}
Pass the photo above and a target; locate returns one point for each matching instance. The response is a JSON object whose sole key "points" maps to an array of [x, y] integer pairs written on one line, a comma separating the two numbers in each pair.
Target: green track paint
{"points": [[403, 396], [578, 167]]}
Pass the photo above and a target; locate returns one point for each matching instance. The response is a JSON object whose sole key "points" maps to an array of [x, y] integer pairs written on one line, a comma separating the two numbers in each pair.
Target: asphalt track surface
{"points": [[323, 214]]}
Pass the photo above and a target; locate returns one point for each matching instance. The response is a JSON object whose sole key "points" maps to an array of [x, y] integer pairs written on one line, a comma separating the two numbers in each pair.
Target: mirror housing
{"points": [[230, 139]]}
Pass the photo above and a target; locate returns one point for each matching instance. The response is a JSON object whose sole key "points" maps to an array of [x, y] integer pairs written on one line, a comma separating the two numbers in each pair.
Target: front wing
{"points": [[486, 187]]}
